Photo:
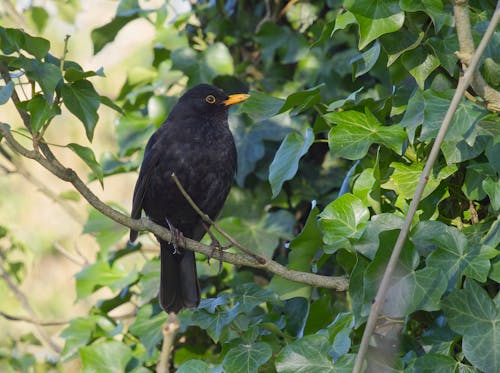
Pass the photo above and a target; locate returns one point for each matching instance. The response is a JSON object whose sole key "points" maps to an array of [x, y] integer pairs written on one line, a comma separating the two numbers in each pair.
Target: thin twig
{"points": [[286, 7], [210, 222], [68, 255], [44, 337], [169, 330], [338, 283], [463, 83], [32, 321]]}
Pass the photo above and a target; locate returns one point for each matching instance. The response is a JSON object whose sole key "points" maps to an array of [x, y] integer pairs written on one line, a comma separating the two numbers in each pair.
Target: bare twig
{"points": [[210, 222], [424, 177], [331, 282], [466, 42], [32, 321], [68, 255], [169, 330], [44, 337], [286, 7]]}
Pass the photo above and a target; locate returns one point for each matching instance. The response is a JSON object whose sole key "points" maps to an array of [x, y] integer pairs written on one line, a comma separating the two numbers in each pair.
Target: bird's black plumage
{"points": [[196, 144]]}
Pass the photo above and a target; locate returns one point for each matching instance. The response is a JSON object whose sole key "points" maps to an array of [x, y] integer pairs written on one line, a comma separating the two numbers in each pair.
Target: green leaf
{"points": [[355, 132], [6, 92], [375, 18], [107, 33], [302, 250], [41, 112], [148, 327], [420, 64], [286, 161], [308, 354], [247, 358], [105, 357], [492, 188], [366, 60], [73, 74], [82, 100], [213, 323], [433, 8], [250, 295], [77, 334], [45, 74], [106, 231], [471, 313], [39, 16], [434, 363], [261, 106], [405, 178], [343, 219], [219, 60], [193, 366], [395, 44], [301, 100], [87, 155], [99, 274]]}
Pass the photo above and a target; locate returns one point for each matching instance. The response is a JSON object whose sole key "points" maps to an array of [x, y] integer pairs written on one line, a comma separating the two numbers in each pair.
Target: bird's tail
{"points": [[179, 287]]}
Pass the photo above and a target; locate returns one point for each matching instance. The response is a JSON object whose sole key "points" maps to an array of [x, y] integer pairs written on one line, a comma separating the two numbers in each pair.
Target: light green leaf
{"points": [[247, 358], [87, 155], [286, 161], [375, 18], [306, 355], [492, 188], [343, 219], [194, 366], [107, 231], [82, 100], [105, 357], [471, 313], [405, 178], [355, 132], [219, 60]]}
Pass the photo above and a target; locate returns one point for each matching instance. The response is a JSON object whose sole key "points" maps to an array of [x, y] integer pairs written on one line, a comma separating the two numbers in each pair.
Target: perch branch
{"points": [[424, 177], [466, 43], [338, 283]]}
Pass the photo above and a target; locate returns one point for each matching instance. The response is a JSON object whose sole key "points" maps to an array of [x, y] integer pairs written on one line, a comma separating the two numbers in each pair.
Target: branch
{"points": [[44, 337], [169, 330], [424, 177], [54, 166], [32, 321], [466, 42]]}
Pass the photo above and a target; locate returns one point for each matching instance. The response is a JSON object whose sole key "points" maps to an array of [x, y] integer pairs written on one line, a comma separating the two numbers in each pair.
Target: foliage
{"points": [[346, 99]]}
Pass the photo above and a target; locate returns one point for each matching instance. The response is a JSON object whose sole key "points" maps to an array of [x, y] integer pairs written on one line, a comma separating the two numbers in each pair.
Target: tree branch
{"points": [[422, 182], [466, 42], [54, 166], [169, 330]]}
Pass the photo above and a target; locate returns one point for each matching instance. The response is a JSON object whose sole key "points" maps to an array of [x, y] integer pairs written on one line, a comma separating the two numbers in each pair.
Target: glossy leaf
{"points": [[247, 358], [87, 155], [105, 357]]}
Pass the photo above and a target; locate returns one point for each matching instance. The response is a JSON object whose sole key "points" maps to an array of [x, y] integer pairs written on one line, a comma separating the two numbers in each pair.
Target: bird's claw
{"points": [[177, 236], [216, 246]]}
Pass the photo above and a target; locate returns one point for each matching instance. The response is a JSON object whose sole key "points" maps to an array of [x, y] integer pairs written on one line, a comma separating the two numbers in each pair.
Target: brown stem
{"points": [[169, 330]]}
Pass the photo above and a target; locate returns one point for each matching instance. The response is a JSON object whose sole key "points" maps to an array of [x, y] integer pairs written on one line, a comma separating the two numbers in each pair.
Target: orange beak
{"points": [[234, 99]]}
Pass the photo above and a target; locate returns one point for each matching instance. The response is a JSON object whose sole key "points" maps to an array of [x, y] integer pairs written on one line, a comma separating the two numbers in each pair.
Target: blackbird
{"points": [[196, 144]]}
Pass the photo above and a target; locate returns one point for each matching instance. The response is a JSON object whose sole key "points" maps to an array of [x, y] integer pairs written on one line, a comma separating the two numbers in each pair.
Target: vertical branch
{"points": [[424, 177], [169, 330]]}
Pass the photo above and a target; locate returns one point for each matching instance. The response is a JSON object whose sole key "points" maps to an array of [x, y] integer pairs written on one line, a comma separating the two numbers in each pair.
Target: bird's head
{"points": [[207, 100]]}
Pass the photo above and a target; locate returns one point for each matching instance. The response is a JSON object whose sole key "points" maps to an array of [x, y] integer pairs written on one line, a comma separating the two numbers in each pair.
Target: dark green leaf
{"points": [[83, 101], [286, 161], [194, 366], [6, 92], [87, 155], [107, 33], [471, 313], [365, 61], [39, 16], [301, 100], [148, 327], [260, 106], [72, 74], [420, 64], [41, 112], [247, 358]]}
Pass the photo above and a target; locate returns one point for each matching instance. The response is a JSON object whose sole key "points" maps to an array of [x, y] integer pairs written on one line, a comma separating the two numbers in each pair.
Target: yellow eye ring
{"points": [[210, 99]]}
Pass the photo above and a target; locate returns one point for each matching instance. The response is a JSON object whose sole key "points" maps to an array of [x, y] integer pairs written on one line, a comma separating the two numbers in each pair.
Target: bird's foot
{"points": [[217, 246], [177, 237]]}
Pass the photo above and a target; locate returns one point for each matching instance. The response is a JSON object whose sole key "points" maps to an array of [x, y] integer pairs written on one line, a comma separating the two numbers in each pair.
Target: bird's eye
{"points": [[210, 99]]}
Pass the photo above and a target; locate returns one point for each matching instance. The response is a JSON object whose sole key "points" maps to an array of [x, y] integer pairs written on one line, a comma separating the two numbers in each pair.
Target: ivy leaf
{"points": [[261, 106], [301, 100], [302, 251], [343, 219], [248, 296], [107, 231], [73, 74], [40, 110], [213, 323], [219, 60], [87, 155], [194, 366], [420, 64], [107, 33], [405, 178], [286, 161], [45, 74], [105, 357], [375, 18], [365, 61], [355, 132], [247, 358], [82, 100], [471, 313], [308, 354], [435, 363], [77, 334], [148, 327], [99, 274]]}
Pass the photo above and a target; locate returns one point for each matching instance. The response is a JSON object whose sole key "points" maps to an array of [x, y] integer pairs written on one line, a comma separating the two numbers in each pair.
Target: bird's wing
{"points": [[147, 167]]}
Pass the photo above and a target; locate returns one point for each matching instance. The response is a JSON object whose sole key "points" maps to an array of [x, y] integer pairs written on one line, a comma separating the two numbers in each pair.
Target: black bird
{"points": [[196, 144]]}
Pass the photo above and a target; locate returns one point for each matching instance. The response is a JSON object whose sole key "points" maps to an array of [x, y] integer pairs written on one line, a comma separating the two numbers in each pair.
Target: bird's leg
{"points": [[177, 236], [215, 244]]}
